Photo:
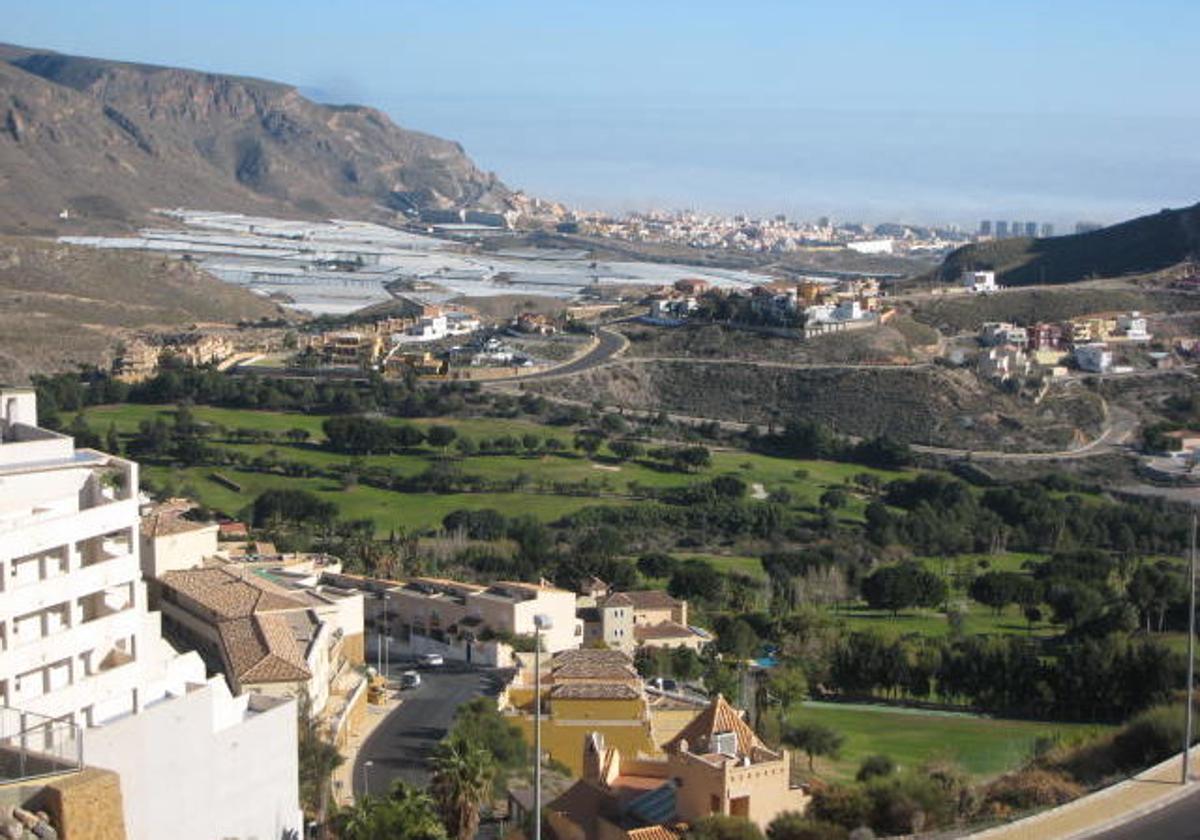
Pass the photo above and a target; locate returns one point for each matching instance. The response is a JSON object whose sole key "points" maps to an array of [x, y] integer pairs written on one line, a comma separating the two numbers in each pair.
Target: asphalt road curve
{"points": [[608, 344], [401, 745], [1178, 821]]}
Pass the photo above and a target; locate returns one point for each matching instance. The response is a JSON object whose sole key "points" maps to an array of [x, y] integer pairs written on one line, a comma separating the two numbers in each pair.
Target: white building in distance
{"points": [[1094, 358], [84, 659], [979, 282]]}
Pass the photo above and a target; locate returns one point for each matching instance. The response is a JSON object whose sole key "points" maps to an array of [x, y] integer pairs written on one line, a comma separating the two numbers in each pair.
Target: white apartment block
{"points": [[80, 646]]}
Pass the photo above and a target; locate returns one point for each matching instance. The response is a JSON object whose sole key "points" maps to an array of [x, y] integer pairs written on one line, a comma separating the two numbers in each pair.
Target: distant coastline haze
{"points": [[921, 112]]}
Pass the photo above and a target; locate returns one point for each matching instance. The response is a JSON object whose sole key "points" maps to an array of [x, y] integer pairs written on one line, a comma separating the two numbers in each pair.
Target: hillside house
{"points": [[996, 333], [979, 282], [715, 766], [1093, 357]]}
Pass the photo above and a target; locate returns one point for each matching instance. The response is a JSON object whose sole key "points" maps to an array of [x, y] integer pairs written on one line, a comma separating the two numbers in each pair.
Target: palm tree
{"points": [[318, 759], [405, 812], [462, 783]]}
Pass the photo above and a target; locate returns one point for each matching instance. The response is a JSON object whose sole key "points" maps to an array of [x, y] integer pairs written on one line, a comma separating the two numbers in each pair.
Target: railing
{"points": [[33, 745]]}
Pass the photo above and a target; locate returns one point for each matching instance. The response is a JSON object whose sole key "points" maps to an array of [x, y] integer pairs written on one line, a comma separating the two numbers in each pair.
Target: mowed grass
{"points": [[983, 746], [804, 481], [977, 620], [727, 563]]}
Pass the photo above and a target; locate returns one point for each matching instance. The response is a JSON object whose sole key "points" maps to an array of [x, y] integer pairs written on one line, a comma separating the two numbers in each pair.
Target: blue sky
{"points": [[938, 111]]}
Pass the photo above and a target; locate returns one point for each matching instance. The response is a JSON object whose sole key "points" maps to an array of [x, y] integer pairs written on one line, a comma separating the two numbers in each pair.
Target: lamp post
{"points": [[1191, 656], [541, 622], [367, 765], [379, 635]]}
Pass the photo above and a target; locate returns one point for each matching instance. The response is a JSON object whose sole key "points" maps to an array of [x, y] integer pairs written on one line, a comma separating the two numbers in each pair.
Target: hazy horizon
{"points": [[1074, 111]]}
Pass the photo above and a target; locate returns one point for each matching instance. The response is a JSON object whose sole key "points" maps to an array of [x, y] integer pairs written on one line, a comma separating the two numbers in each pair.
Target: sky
{"points": [[921, 111]]}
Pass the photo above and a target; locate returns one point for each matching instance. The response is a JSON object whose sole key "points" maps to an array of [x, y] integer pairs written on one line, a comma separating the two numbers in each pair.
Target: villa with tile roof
{"points": [[262, 636], [641, 618], [714, 765]]}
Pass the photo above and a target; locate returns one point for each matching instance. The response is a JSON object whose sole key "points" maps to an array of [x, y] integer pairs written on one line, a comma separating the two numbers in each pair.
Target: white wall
{"points": [[197, 768]]}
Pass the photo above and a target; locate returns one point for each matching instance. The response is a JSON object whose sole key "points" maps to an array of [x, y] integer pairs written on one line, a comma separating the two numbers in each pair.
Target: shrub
{"points": [[844, 805], [1028, 789], [792, 825], [875, 766]]}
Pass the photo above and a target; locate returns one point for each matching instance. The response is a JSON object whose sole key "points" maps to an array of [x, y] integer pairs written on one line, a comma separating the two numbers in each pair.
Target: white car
{"points": [[431, 660], [410, 679]]}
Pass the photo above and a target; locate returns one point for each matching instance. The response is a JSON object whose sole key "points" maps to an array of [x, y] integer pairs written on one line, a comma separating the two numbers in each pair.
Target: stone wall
{"points": [[85, 806]]}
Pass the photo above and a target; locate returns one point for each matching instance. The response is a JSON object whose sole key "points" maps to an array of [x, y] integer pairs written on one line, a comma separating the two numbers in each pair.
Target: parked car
{"points": [[410, 679], [430, 660]]}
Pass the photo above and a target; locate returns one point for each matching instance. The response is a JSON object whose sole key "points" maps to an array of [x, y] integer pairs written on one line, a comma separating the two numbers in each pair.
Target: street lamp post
{"points": [[540, 622], [367, 765], [1191, 656]]}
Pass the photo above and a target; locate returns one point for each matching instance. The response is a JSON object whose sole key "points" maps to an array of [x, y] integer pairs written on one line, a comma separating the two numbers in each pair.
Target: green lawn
{"points": [[928, 622], [804, 480], [983, 746], [749, 566]]}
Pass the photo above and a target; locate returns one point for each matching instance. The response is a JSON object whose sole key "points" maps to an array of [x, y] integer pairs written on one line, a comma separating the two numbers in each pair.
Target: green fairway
{"points": [[978, 619], [749, 566], [543, 484], [983, 746]]}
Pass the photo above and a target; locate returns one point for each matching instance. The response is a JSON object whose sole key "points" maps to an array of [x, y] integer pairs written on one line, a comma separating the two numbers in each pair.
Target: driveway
{"points": [[401, 745]]}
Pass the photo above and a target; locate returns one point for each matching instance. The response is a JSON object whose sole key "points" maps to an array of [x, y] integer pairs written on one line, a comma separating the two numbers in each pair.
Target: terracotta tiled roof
{"points": [[581, 804], [592, 664], [651, 599], [263, 649], [718, 717], [620, 599], [663, 630], [229, 595], [594, 691], [168, 518]]}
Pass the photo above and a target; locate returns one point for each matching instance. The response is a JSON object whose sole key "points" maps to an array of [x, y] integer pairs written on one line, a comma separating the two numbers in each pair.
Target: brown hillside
{"points": [[108, 141], [62, 305]]}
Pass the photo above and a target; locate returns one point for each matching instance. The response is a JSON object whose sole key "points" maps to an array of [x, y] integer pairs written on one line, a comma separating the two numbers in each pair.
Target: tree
{"points": [[441, 436], [722, 827], [405, 812], [112, 441], [901, 586], [793, 825], [814, 739], [657, 565], [999, 589], [834, 498], [696, 579], [625, 449], [739, 640], [317, 759], [589, 441], [463, 774], [789, 683]]}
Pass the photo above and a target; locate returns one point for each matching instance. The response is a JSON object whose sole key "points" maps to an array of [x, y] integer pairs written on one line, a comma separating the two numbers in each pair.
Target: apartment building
{"points": [[453, 616], [82, 651]]}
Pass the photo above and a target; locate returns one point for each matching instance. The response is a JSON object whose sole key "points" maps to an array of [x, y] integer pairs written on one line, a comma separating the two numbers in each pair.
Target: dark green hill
{"points": [[1141, 245]]}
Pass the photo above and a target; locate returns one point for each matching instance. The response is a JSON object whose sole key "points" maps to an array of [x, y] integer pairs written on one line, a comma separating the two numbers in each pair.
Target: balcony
{"points": [[32, 746]]}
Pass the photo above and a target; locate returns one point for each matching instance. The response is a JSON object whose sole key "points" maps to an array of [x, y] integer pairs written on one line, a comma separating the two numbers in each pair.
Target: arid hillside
{"points": [[107, 141], [61, 305]]}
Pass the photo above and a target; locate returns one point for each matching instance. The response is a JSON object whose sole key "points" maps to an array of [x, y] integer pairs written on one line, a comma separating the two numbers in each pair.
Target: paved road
{"points": [[401, 745], [1178, 821], [608, 345]]}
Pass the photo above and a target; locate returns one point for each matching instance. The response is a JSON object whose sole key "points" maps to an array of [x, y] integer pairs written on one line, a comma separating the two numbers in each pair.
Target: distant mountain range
{"points": [[1145, 244], [107, 141]]}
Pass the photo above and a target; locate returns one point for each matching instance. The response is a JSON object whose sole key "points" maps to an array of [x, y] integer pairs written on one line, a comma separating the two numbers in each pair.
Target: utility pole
{"points": [[1191, 656]]}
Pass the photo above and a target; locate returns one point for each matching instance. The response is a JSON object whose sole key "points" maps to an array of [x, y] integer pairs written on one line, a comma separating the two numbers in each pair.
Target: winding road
{"points": [[1178, 821]]}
